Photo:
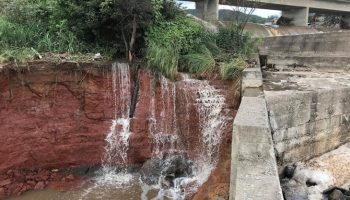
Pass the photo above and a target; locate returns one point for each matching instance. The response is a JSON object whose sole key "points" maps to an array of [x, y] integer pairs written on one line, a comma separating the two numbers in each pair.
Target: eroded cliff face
{"points": [[57, 116]]}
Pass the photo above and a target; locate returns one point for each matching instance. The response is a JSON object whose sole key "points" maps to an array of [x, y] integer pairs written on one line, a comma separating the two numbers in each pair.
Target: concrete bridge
{"points": [[297, 9]]}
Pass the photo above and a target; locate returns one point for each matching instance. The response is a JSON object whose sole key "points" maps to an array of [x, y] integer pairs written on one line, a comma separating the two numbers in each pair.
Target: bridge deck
{"points": [[324, 6]]}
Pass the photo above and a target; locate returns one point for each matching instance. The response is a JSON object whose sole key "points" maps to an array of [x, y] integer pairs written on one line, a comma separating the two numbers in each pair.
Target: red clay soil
{"points": [[56, 116], [218, 184]]}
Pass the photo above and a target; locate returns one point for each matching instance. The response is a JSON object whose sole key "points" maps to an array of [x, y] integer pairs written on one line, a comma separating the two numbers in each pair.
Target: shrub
{"points": [[232, 69], [198, 62], [187, 41], [77, 26], [236, 43], [110, 23], [163, 59]]}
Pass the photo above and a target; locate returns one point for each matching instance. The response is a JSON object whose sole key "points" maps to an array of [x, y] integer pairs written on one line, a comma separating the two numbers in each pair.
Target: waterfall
{"points": [[213, 120], [168, 153], [210, 105], [118, 137], [164, 134]]}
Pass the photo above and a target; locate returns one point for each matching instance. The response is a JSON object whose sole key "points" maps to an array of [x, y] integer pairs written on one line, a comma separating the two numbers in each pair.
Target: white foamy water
{"points": [[114, 182], [118, 136], [212, 119], [114, 163], [164, 134]]}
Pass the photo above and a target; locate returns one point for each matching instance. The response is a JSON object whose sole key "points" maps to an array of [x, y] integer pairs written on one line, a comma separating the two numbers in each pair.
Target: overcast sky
{"points": [[260, 12]]}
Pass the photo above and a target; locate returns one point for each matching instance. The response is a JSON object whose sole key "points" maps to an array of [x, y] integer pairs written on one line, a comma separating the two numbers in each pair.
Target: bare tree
{"points": [[243, 10]]}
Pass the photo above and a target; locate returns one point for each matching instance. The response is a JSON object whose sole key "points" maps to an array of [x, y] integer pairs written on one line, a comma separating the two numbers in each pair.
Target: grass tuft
{"points": [[163, 58], [198, 62], [232, 69]]}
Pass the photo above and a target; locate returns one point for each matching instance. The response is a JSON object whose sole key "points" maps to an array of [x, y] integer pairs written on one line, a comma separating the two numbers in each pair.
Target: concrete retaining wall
{"points": [[253, 169], [306, 124], [314, 50]]}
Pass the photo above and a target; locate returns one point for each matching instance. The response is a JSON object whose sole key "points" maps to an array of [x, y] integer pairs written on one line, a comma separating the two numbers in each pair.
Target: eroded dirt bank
{"points": [[55, 116]]}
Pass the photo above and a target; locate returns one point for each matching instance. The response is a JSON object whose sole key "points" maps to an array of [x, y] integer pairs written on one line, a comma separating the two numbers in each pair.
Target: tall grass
{"points": [[198, 62], [163, 58], [15, 35], [232, 69], [18, 40]]}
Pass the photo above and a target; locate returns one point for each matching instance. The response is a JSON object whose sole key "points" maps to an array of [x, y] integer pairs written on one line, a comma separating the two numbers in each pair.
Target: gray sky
{"points": [[259, 12]]}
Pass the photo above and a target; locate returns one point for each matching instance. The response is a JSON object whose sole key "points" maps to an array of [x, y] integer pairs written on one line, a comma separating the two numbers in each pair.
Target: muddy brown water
{"points": [[107, 189]]}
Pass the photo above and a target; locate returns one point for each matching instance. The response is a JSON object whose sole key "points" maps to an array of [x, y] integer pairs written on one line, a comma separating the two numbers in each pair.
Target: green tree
{"points": [[119, 24]]}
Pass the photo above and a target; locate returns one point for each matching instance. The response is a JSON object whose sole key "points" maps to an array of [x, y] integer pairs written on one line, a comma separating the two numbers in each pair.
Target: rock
{"points": [[347, 193], [151, 171], [31, 183], [19, 176], [166, 170], [70, 177], [310, 183], [39, 186], [336, 195], [289, 171], [2, 193], [177, 166], [98, 56], [15, 189], [294, 190], [9, 172], [29, 177], [5, 182], [43, 175]]}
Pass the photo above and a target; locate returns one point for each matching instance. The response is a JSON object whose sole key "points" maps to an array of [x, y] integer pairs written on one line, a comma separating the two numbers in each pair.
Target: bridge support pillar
{"points": [[208, 9], [300, 16]]}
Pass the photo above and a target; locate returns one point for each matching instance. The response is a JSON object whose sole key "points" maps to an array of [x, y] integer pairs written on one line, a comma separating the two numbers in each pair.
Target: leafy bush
{"points": [[157, 30], [187, 41], [232, 69], [116, 24], [235, 42], [76, 26]]}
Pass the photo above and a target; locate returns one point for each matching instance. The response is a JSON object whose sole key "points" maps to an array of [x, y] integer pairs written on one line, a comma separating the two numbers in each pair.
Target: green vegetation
{"points": [[199, 62], [154, 30], [232, 41], [181, 39], [181, 44], [233, 68], [27, 27]]}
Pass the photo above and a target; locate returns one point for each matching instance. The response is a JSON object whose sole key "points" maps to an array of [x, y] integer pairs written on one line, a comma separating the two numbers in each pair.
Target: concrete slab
{"points": [[253, 159], [309, 112], [252, 82]]}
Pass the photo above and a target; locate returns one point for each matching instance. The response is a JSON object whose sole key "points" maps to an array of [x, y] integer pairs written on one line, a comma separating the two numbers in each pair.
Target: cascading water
{"points": [[212, 119], [180, 124], [164, 134], [118, 137], [114, 162], [170, 173]]}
